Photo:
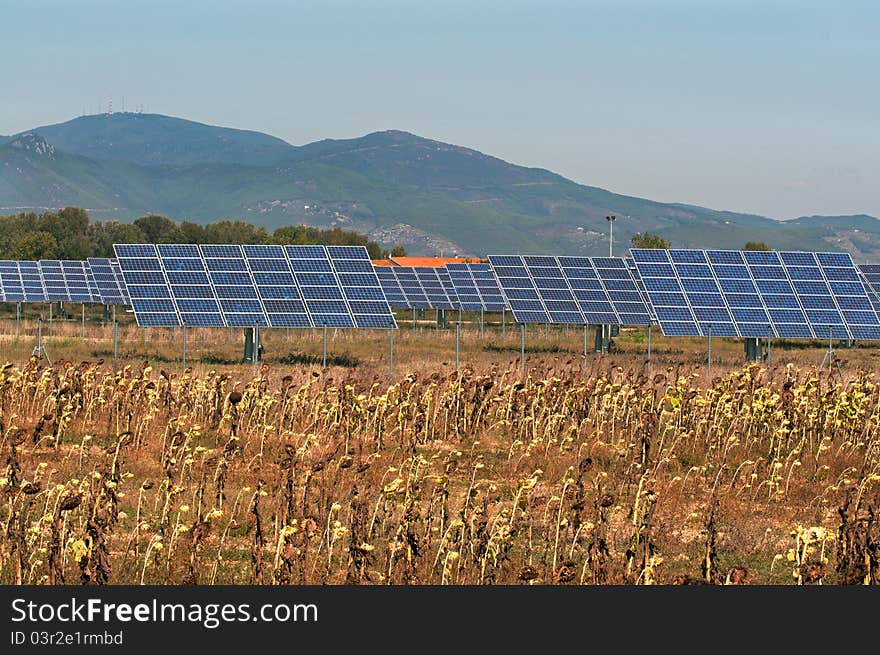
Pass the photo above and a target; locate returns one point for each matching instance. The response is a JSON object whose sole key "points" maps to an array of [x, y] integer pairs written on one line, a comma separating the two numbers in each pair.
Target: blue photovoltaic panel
{"points": [[276, 287], [814, 294], [32, 282], [391, 287], [741, 294], [360, 287], [778, 294], [190, 286], [106, 281], [555, 292], [76, 280], [519, 289], [589, 291], [665, 292], [319, 286], [448, 287], [415, 295], [11, 288], [849, 294], [117, 271], [146, 285], [53, 280], [487, 284], [233, 287], [703, 294], [92, 283], [620, 285], [433, 287], [465, 286]]}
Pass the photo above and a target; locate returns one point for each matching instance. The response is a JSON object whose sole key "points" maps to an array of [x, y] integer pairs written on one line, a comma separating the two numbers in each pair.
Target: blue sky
{"points": [[770, 107]]}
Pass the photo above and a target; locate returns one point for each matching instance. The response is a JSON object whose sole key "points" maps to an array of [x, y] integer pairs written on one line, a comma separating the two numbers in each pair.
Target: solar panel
{"points": [[360, 287], [391, 287], [703, 293], [465, 287], [519, 288], [448, 287], [415, 295], [276, 286], [106, 281], [319, 286], [190, 286], [233, 287], [607, 291], [146, 284], [554, 290], [849, 294], [814, 295], [433, 287], [53, 280], [32, 282], [11, 289], [740, 292], [487, 284], [778, 295], [117, 272], [665, 292], [76, 280]]}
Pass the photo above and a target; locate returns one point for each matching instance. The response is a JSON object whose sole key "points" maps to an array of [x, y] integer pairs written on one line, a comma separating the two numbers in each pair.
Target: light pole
{"points": [[611, 220]]}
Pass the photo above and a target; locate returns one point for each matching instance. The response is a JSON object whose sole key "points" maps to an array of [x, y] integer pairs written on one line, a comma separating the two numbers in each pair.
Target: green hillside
{"points": [[156, 139], [431, 195]]}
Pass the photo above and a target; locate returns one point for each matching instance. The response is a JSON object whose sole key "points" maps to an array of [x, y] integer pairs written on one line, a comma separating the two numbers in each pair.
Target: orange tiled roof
{"points": [[433, 261]]}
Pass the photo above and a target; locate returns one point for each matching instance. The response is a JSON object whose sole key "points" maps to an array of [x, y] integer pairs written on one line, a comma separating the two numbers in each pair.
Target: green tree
{"points": [[104, 234], [158, 229], [227, 231], [69, 227], [192, 232], [756, 245], [648, 240], [35, 245], [397, 251]]}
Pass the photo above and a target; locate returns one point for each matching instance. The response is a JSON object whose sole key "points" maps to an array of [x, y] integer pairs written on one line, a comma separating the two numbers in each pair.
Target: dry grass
{"points": [[582, 472]]}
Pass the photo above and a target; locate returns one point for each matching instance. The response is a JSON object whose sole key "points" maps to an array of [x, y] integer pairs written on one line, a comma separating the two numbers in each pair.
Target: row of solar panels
{"points": [[96, 280], [253, 285], [687, 292]]}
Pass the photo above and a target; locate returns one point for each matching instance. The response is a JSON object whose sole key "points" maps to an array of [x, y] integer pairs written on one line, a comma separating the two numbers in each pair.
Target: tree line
{"points": [[654, 241], [70, 234]]}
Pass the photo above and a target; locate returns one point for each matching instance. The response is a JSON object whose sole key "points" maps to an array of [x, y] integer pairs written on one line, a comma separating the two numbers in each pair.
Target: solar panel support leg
{"points": [[183, 333], [39, 349], [481, 322], [17, 319], [768, 347], [503, 323], [83, 320], [256, 354], [649, 350], [115, 338], [50, 319], [414, 319], [457, 337], [522, 348]]}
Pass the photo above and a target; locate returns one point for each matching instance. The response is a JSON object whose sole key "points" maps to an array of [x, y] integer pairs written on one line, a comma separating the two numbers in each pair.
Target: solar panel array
{"points": [[21, 282], [261, 285], [579, 290], [394, 293], [107, 282], [757, 294]]}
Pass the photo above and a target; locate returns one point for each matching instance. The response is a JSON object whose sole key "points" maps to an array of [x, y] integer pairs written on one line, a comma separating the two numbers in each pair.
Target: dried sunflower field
{"points": [[601, 474]]}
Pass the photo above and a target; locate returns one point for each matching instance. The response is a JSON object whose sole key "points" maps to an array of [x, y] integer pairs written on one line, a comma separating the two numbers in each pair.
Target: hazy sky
{"points": [[767, 106]]}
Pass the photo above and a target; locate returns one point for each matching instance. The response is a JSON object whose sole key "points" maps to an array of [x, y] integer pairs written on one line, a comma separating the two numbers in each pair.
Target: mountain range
{"points": [[395, 187]]}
